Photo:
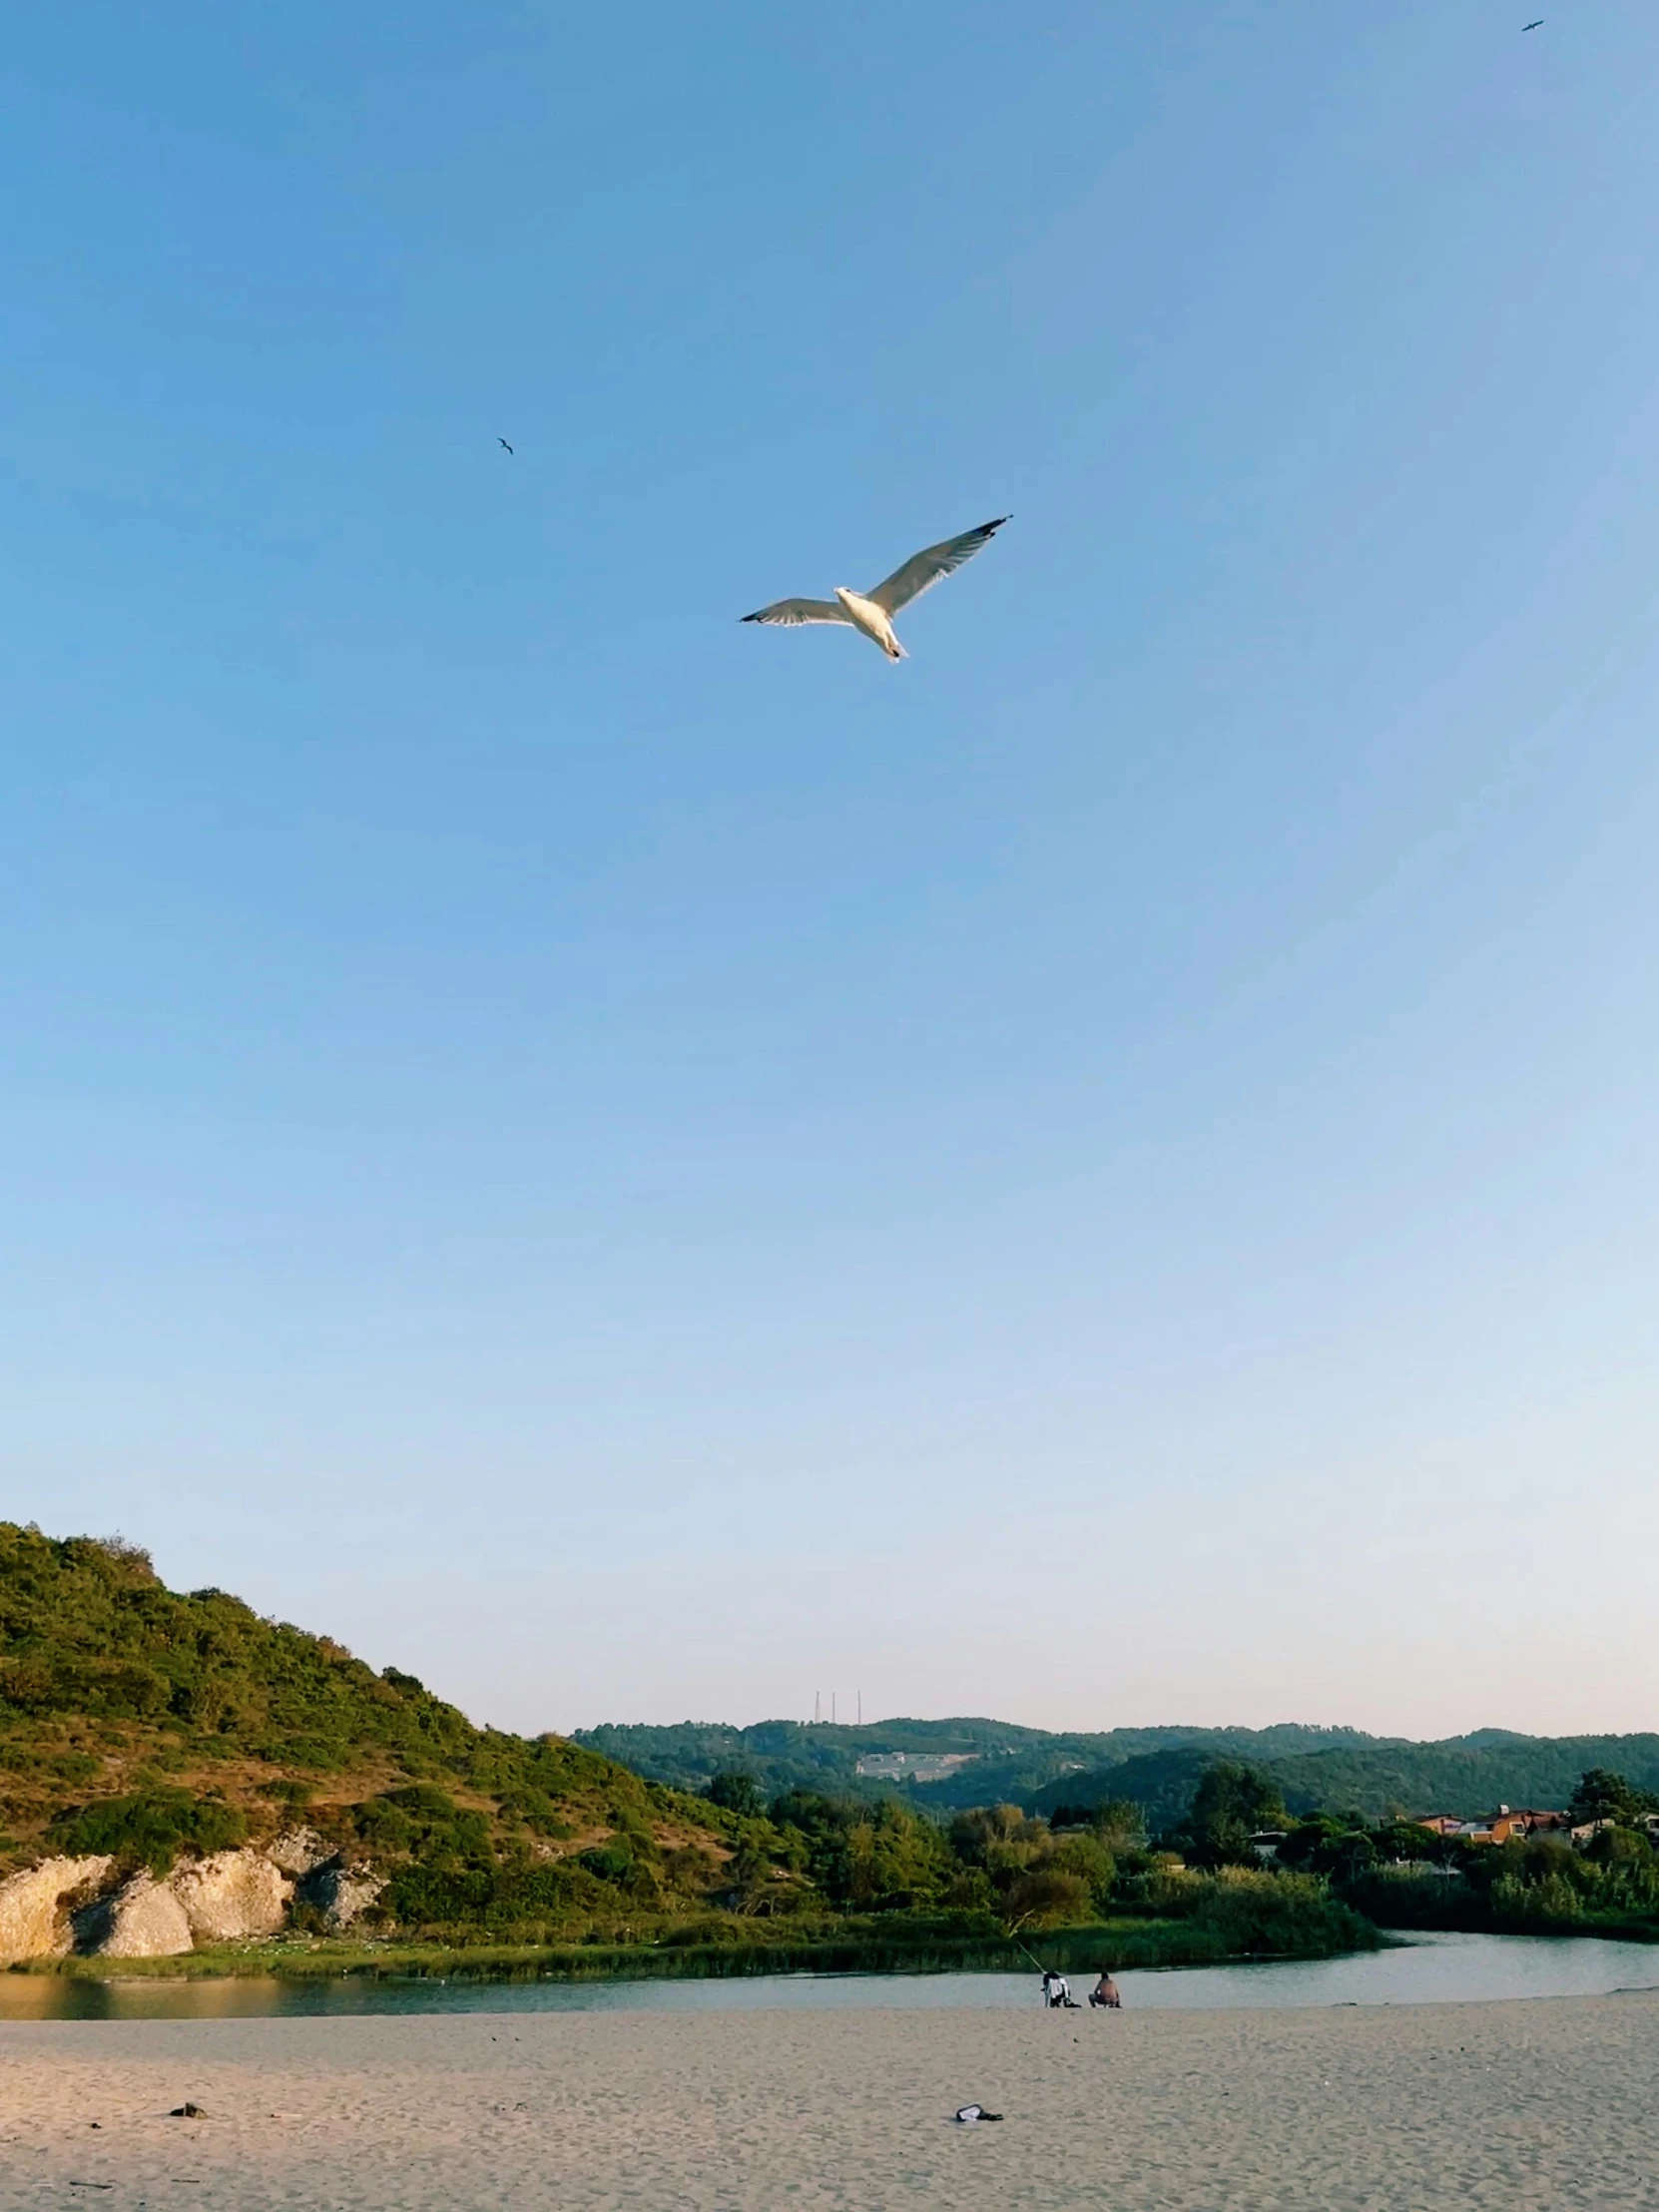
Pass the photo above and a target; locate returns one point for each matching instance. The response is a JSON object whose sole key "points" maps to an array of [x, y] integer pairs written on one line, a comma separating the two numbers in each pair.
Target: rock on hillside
{"points": [[232, 1896], [341, 1894], [84, 1904], [143, 1920], [36, 1905], [296, 1851]]}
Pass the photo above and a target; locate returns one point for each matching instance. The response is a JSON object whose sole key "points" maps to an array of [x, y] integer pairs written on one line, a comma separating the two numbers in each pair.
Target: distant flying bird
{"points": [[502, 441], [1537, 24], [871, 612]]}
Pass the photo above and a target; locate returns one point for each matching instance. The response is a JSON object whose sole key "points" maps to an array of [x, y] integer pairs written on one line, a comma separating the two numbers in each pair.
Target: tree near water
{"points": [[1231, 1803], [1339, 1845], [1118, 1823], [861, 1857], [1036, 1875], [1605, 1796]]}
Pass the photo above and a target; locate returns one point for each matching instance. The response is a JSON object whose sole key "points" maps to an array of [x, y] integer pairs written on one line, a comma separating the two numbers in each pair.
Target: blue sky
{"points": [[641, 1166]]}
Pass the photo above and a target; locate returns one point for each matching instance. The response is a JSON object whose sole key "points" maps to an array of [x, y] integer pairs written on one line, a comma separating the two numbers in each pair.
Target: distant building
{"points": [[1588, 1831], [1508, 1823], [912, 1766], [1541, 1824], [1267, 1844]]}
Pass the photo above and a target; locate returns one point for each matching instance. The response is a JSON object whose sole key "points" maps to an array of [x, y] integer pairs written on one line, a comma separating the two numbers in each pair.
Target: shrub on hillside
{"points": [[494, 1898], [151, 1828]]}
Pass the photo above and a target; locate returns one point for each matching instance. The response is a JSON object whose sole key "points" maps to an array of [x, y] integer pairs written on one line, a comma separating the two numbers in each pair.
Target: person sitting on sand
{"points": [[1105, 1991], [1056, 1989]]}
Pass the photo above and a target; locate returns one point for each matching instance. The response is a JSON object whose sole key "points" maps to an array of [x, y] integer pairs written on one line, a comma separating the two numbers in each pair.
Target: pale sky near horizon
{"points": [[641, 1168]]}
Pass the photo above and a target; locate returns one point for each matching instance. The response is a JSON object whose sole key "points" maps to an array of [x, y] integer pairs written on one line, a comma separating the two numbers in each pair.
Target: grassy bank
{"points": [[1415, 1898], [845, 1947]]}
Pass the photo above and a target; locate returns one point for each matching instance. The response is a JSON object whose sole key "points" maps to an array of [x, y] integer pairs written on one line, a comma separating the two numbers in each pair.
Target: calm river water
{"points": [[1433, 1970]]}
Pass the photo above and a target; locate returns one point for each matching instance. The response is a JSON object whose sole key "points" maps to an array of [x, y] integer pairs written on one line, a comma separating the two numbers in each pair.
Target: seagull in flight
{"points": [[871, 612], [502, 441]]}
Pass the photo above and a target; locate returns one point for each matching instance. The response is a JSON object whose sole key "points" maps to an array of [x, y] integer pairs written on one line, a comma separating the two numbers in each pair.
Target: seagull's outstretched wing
{"points": [[790, 612], [924, 570]]}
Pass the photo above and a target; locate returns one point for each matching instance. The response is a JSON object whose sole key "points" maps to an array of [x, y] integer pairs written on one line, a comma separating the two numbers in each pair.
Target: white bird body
{"points": [[871, 612], [872, 620]]}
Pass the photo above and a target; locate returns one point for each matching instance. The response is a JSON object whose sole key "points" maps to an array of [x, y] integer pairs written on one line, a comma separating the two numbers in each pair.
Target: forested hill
{"points": [[1004, 1763], [1317, 1769], [140, 1720], [1467, 1775]]}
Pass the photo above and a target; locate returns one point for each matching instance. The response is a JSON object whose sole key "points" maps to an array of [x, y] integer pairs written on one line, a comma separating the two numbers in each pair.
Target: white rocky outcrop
{"points": [[36, 1907], [229, 1895], [342, 1894], [143, 1919], [298, 1850]]}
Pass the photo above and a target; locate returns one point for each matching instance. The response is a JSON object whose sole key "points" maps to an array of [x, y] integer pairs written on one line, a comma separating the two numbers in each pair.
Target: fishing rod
{"points": [[1020, 1944]]}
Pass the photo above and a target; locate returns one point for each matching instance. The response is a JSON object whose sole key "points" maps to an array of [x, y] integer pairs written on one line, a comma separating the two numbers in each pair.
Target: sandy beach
{"points": [[1547, 2103]]}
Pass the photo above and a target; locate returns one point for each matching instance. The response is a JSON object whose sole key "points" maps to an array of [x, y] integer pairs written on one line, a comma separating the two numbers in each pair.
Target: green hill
{"points": [[1041, 1773], [144, 1721], [1380, 1779], [1464, 1775], [1005, 1763], [796, 1755], [1317, 1769]]}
